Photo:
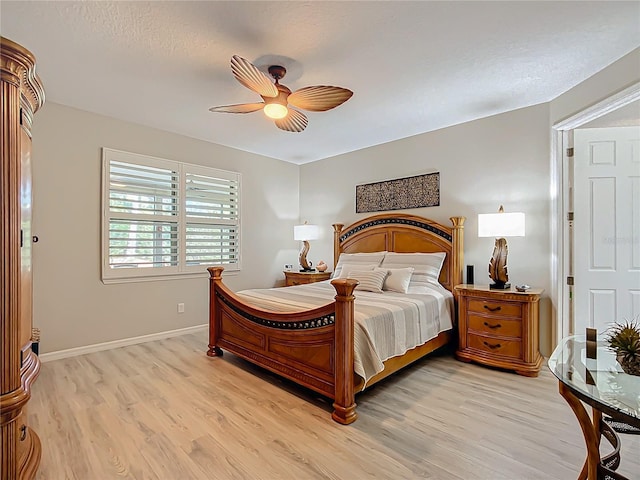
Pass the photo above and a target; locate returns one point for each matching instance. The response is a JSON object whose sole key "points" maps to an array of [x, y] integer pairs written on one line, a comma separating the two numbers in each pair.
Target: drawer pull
{"points": [[492, 347], [493, 309], [492, 326], [23, 433]]}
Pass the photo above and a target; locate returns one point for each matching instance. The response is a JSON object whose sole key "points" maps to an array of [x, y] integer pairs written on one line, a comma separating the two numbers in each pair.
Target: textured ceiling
{"points": [[413, 66]]}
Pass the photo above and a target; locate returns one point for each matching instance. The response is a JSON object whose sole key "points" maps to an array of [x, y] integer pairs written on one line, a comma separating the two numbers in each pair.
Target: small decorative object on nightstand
{"points": [[499, 328], [302, 278]]}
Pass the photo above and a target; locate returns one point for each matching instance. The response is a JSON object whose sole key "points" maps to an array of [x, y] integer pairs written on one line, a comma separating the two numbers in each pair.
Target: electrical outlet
{"points": [[288, 267], [181, 308]]}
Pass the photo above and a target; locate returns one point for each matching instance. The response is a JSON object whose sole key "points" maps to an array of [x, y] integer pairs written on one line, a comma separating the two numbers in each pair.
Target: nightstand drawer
{"points": [[303, 278], [495, 346], [495, 326], [495, 309]]}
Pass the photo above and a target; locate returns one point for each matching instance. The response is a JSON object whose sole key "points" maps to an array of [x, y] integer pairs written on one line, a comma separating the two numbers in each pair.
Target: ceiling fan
{"points": [[278, 99]]}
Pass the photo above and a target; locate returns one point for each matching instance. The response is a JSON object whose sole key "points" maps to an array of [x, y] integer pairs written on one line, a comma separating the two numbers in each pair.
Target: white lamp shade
{"points": [[306, 232], [501, 224]]}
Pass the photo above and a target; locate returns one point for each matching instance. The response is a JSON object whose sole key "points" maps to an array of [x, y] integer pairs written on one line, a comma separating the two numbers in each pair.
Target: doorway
{"points": [[606, 223], [610, 112]]}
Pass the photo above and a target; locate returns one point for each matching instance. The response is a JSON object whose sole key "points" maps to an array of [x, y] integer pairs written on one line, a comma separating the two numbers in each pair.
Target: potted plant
{"points": [[624, 340]]}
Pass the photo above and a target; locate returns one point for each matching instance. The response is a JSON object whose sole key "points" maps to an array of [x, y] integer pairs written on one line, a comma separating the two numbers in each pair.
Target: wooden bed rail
{"points": [[314, 348]]}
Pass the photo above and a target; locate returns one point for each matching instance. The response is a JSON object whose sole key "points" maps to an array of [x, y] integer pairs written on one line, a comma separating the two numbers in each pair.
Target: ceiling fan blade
{"points": [[239, 108], [252, 78], [294, 122], [319, 98]]}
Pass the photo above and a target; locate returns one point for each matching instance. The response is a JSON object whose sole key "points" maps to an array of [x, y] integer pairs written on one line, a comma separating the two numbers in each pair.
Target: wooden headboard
{"points": [[405, 234]]}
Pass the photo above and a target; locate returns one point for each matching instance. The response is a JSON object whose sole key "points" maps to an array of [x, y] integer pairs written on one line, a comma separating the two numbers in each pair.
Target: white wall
{"points": [[500, 160], [616, 77], [72, 306]]}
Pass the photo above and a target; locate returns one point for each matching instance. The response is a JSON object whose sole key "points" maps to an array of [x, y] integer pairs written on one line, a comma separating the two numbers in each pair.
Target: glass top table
{"points": [[601, 383], [601, 379]]}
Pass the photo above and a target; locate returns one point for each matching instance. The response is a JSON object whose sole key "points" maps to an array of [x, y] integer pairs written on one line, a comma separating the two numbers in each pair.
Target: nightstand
{"points": [[499, 328], [302, 278]]}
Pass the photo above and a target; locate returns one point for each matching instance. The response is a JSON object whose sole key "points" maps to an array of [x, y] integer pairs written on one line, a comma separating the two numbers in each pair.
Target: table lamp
{"points": [[500, 225], [305, 233]]}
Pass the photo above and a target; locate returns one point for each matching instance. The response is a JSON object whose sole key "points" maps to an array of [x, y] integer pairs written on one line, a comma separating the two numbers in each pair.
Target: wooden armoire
{"points": [[22, 96]]}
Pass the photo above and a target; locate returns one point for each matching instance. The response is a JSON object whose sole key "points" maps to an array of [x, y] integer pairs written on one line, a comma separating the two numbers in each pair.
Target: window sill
{"points": [[159, 278]]}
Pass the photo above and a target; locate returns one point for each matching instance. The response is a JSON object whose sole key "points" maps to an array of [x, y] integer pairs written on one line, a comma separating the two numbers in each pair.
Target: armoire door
{"points": [[26, 277]]}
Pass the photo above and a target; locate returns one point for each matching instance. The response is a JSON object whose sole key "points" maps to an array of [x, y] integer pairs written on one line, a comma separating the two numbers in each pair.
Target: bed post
{"points": [[344, 405], [337, 230], [215, 274], [457, 248]]}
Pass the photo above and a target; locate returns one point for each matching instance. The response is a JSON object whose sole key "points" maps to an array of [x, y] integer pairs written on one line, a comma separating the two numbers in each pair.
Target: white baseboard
{"points": [[98, 347]]}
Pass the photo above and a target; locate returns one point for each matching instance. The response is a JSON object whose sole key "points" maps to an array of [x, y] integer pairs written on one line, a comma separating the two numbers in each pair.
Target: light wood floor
{"points": [[164, 410]]}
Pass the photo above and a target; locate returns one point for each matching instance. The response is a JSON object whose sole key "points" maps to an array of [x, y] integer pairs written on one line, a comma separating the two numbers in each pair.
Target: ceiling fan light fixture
{"points": [[278, 97], [275, 110]]}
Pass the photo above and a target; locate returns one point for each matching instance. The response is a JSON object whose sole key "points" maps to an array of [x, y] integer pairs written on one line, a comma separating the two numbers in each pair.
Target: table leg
{"points": [[590, 431]]}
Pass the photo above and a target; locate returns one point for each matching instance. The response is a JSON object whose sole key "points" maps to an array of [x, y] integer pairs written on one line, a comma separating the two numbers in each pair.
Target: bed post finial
{"points": [[337, 230], [457, 246]]}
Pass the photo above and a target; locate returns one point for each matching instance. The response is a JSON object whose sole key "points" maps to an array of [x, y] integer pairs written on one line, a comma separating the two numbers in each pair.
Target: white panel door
{"points": [[606, 226]]}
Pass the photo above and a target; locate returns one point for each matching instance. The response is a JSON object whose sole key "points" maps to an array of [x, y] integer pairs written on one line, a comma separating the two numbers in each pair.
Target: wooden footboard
{"points": [[314, 348]]}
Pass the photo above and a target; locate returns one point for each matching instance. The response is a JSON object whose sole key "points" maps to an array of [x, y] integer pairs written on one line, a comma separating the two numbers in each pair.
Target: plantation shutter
{"points": [[143, 211], [162, 217], [212, 218]]}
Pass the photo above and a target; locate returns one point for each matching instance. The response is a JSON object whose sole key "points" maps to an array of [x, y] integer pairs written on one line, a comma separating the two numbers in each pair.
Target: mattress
{"points": [[386, 325]]}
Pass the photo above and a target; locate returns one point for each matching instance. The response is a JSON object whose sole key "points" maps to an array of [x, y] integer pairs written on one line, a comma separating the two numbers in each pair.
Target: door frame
{"points": [[561, 202]]}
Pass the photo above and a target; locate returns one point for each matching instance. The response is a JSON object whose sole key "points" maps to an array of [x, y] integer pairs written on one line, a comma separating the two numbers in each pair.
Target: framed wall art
{"points": [[401, 193]]}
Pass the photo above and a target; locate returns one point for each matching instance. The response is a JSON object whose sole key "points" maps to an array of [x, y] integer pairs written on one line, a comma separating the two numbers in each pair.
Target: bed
{"points": [[310, 338]]}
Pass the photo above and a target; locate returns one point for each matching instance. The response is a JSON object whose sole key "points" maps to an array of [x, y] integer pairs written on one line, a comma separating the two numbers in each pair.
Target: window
{"points": [[162, 217]]}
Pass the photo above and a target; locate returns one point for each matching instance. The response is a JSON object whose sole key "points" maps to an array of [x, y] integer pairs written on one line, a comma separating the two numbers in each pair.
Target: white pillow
{"points": [[372, 259], [369, 280], [397, 279], [346, 270], [426, 266]]}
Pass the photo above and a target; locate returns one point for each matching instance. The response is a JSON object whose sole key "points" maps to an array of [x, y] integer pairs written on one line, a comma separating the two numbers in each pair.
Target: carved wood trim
{"points": [[22, 95], [11, 403], [19, 61]]}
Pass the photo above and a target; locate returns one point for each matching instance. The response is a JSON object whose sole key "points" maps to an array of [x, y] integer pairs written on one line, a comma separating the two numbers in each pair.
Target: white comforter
{"points": [[386, 324]]}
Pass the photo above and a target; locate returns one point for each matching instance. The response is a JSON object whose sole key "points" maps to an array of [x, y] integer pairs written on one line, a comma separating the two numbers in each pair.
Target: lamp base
{"points": [[307, 269], [498, 266]]}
